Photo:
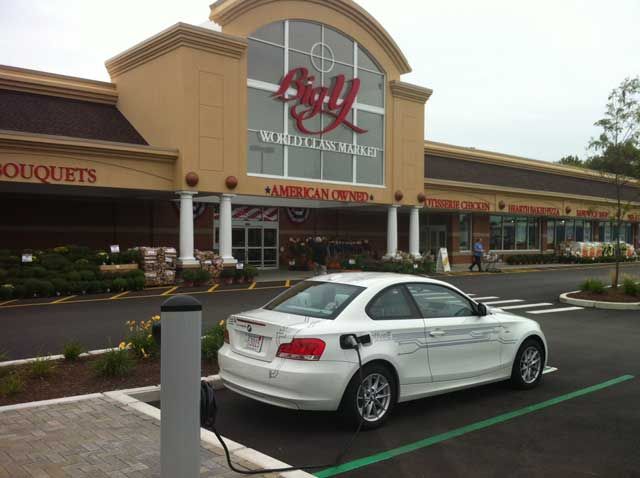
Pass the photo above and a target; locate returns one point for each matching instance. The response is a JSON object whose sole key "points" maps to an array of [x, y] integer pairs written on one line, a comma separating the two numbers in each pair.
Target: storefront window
{"points": [[521, 233], [508, 233], [579, 235], [587, 232], [560, 231], [551, 234], [569, 230], [325, 54], [465, 232], [605, 231], [628, 233], [534, 233], [495, 233]]}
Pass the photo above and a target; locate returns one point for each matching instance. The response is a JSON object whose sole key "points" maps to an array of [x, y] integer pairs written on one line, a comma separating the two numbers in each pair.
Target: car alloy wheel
{"points": [[374, 397], [530, 365]]}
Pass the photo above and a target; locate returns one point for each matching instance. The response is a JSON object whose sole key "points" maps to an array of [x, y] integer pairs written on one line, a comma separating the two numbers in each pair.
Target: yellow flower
{"points": [[149, 336], [122, 346], [221, 323]]}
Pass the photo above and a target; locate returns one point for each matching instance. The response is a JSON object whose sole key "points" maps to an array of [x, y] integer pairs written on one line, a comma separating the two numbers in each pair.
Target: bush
{"points": [[6, 292], [12, 384], [119, 284], [135, 283], [250, 272], [19, 291], [87, 275], [592, 285], [53, 261], [196, 276], [4, 356], [630, 286], [212, 341], [72, 350], [74, 276], [114, 363], [96, 286], [38, 287], [140, 340], [60, 285], [41, 367]]}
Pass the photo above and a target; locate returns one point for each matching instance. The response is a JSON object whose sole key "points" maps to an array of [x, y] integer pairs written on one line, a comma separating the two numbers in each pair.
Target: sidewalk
{"points": [[504, 267], [91, 438]]}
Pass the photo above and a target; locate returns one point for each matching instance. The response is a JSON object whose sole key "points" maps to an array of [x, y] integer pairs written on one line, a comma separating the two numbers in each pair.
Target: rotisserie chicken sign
{"points": [[309, 101]]}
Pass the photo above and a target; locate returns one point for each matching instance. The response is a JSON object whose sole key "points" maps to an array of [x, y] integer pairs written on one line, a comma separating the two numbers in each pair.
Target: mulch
{"points": [[77, 378], [610, 295]]}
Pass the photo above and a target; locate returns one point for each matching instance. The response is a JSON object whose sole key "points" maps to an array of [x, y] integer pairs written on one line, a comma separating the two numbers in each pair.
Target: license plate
{"points": [[254, 342]]}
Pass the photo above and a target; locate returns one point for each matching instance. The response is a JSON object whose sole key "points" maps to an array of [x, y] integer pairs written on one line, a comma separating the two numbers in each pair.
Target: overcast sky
{"points": [[525, 78]]}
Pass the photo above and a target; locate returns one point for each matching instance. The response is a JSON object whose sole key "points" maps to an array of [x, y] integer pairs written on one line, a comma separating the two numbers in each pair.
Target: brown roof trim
{"points": [[466, 186], [12, 140], [45, 83], [410, 92], [500, 159], [225, 11], [176, 36]]}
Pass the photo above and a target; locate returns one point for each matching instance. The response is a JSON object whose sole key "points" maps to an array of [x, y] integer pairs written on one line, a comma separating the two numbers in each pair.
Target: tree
{"points": [[571, 161], [617, 146]]}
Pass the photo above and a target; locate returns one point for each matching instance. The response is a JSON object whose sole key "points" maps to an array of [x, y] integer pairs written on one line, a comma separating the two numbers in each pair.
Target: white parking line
{"points": [[471, 295], [527, 306], [486, 298], [510, 301], [549, 369], [549, 311]]}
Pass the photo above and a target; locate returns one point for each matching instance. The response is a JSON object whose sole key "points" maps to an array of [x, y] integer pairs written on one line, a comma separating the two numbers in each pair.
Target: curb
{"points": [[598, 304], [9, 363]]}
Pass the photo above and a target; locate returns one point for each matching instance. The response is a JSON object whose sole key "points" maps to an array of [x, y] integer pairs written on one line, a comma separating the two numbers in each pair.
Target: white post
{"points": [[186, 228], [392, 231], [181, 319], [225, 230], [414, 232]]}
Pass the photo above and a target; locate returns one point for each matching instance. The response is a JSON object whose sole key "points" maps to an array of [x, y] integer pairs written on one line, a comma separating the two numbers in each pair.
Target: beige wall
{"points": [[194, 97]]}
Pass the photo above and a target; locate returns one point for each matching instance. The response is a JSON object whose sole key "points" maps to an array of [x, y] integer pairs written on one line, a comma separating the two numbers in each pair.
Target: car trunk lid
{"points": [[259, 333]]}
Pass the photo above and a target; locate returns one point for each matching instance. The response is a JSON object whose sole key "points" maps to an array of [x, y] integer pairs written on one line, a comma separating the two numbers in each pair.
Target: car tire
{"points": [[528, 365], [379, 381]]}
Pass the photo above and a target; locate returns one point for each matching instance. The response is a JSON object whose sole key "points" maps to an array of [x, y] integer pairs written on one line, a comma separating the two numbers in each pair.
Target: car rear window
{"points": [[322, 300]]}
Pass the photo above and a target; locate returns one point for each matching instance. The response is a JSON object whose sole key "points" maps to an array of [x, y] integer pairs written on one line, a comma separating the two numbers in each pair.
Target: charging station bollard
{"points": [[181, 319]]}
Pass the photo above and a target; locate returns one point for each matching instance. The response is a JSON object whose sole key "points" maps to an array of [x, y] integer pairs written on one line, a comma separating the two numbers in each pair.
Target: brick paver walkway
{"points": [[93, 438]]}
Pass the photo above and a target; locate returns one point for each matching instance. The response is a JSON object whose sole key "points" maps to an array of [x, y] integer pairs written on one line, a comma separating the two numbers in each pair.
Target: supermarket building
{"points": [[285, 119]]}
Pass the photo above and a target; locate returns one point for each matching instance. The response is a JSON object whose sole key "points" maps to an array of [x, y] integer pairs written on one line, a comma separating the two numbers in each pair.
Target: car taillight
{"points": [[226, 336], [302, 349]]}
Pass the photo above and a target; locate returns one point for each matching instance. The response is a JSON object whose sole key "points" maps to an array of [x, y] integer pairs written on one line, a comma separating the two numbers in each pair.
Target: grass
{"points": [[114, 363], [630, 286], [12, 384], [72, 350], [593, 285], [4, 356], [41, 367]]}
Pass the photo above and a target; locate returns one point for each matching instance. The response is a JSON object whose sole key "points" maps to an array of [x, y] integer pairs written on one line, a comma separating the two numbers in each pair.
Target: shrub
{"points": [[135, 283], [196, 276], [119, 284], [60, 285], [592, 285], [12, 384], [140, 340], [41, 367], [250, 272], [114, 363], [72, 350], [38, 287], [19, 291], [87, 275], [53, 261], [630, 286], [212, 341], [74, 276], [95, 287], [6, 291]]}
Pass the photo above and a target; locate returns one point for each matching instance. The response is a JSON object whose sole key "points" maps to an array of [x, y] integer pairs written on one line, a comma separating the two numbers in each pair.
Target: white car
{"points": [[417, 337]]}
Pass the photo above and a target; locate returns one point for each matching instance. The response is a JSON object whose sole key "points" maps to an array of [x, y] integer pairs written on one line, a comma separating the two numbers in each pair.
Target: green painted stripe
{"points": [[386, 455]]}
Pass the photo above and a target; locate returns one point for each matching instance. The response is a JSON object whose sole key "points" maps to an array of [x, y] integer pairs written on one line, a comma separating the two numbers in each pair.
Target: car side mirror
{"points": [[482, 310]]}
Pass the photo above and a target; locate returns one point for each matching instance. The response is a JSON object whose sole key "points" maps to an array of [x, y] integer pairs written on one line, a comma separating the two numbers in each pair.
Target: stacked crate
{"points": [[209, 261], [159, 265]]}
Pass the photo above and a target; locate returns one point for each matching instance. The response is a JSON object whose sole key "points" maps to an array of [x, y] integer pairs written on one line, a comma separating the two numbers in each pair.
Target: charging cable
{"points": [[352, 341]]}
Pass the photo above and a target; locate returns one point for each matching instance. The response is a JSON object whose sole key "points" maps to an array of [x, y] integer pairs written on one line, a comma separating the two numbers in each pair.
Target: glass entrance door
{"points": [[256, 245], [436, 238]]}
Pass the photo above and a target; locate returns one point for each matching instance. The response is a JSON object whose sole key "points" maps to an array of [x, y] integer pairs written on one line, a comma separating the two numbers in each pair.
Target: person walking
{"points": [[478, 251]]}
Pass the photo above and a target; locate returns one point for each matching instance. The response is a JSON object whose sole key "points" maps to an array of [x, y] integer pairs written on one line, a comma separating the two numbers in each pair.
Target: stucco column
{"points": [[392, 231], [414, 232], [186, 257], [225, 229]]}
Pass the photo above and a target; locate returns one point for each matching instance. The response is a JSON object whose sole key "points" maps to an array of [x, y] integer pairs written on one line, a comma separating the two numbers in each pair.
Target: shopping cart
{"points": [[491, 261]]}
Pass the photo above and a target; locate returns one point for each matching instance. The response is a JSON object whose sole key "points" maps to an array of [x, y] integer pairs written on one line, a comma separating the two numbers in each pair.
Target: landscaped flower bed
{"points": [[593, 289], [135, 363]]}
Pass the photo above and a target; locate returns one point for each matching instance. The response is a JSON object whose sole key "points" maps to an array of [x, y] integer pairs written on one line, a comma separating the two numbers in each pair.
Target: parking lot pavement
{"points": [[594, 434]]}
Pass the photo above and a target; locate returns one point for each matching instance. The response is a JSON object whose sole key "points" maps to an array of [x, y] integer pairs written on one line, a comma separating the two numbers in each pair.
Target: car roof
{"points": [[372, 279]]}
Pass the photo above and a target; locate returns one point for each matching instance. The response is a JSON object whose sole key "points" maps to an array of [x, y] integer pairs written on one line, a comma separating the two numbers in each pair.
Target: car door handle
{"points": [[437, 333]]}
